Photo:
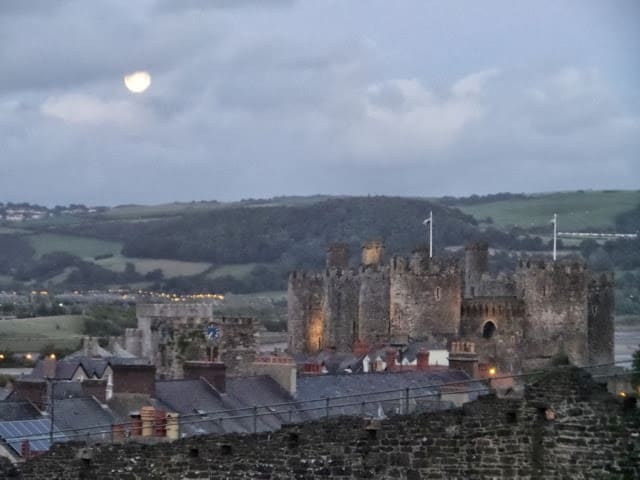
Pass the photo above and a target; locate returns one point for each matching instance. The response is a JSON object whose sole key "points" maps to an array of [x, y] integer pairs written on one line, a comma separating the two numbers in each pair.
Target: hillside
{"points": [[249, 246], [577, 211]]}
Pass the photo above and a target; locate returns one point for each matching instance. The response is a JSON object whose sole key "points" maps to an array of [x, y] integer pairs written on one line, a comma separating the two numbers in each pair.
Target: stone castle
{"points": [[545, 311], [169, 334]]}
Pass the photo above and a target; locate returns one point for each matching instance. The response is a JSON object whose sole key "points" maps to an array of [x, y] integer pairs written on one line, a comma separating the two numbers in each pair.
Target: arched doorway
{"points": [[488, 329]]}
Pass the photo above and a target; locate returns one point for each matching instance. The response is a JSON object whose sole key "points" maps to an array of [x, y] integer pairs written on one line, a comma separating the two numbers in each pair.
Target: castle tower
{"points": [[373, 305], [372, 253], [338, 256], [601, 307], [305, 319], [425, 297], [340, 309], [555, 323], [476, 262]]}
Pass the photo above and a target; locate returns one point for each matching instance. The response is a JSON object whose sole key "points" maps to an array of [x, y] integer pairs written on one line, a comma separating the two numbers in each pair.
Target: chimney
{"points": [[213, 372], [360, 348], [33, 390], [390, 356], [139, 379], [463, 356], [25, 449], [422, 358], [49, 367], [312, 368], [95, 388], [281, 368]]}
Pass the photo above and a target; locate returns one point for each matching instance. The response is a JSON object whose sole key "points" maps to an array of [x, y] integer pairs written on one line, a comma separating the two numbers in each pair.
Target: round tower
{"points": [[338, 256], [476, 262], [372, 253]]}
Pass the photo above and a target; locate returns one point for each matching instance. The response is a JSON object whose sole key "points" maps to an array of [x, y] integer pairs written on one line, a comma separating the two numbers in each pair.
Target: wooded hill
{"points": [[250, 246]]}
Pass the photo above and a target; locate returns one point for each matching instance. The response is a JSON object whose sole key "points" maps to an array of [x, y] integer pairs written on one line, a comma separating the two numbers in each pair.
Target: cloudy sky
{"points": [[256, 98]]}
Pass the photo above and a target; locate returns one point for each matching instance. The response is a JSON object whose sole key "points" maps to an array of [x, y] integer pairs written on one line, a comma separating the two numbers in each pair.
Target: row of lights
{"points": [[29, 356], [170, 296]]}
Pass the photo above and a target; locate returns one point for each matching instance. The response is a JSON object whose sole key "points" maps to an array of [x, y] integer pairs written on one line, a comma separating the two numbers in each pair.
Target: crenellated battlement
{"points": [[518, 320], [568, 266], [493, 306], [338, 273], [602, 280], [420, 265]]}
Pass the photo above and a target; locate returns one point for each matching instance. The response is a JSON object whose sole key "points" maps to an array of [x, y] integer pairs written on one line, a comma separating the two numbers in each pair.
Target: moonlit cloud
{"points": [[255, 98]]}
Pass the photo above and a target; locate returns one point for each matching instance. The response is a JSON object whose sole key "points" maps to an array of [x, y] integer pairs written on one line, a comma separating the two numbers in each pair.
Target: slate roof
{"points": [[198, 403], [378, 390], [5, 392], [204, 410], [92, 367], [63, 370], [83, 419], [18, 410], [261, 390]]}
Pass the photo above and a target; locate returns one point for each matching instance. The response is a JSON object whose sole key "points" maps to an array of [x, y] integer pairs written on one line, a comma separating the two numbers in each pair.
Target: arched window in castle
{"points": [[438, 293], [488, 329]]}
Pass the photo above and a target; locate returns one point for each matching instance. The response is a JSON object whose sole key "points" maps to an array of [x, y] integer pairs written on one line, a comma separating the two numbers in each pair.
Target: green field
{"points": [[238, 270], [83, 247], [576, 210], [32, 334], [11, 230], [170, 268]]}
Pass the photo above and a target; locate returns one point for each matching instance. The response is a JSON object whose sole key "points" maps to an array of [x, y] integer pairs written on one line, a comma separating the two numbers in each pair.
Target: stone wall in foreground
{"points": [[566, 427]]}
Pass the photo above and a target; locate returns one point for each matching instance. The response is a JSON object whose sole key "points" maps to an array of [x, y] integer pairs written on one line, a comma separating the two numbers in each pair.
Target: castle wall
{"points": [[305, 321], [476, 262], [565, 427], [601, 308], [500, 285], [373, 305], [338, 256], [425, 297], [499, 346], [372, 253], [555, 295], [340, 309], [173, 333]]}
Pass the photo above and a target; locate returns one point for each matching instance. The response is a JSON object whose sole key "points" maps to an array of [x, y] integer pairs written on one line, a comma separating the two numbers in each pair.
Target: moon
{"points": [[137, 82]]}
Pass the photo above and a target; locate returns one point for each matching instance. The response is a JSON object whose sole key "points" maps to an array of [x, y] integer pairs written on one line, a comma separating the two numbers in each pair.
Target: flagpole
{"points": [[555, 234], [431, 234]]}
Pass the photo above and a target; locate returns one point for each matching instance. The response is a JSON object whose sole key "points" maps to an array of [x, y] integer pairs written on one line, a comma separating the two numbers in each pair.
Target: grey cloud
{"points": [[247, 105], [183, 5]]}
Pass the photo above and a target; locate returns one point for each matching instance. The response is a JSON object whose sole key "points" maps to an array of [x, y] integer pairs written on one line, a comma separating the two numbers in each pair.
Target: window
{"points": [[438, 293]]}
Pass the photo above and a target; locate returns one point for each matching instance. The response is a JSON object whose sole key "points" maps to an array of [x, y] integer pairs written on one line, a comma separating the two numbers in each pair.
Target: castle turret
{"points": [[372, 253], [305, 318], [555, 294], [601, 307], [476, 262], [425, 297], [338, 256]]}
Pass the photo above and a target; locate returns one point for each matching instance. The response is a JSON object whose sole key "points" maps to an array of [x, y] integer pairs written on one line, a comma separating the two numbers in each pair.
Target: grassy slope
{"points": [[237, 270], [170, 268], [32, 334], [82, 247], [177, 208], [575, 210]]}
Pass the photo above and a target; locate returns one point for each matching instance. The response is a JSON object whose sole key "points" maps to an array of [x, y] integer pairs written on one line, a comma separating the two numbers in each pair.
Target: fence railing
{"points": [[260, 418]]}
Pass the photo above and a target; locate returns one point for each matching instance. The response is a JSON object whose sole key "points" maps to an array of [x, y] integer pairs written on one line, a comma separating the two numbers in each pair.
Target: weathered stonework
{"points": [[545, 311], [173, 333], [565, 427]]}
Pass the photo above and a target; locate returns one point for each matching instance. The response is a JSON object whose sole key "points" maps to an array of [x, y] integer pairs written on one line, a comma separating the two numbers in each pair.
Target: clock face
{"points": [[213, 333]]}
